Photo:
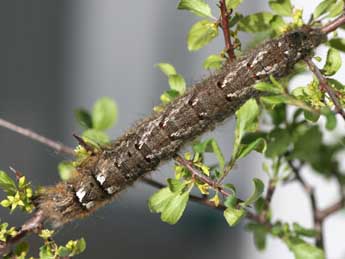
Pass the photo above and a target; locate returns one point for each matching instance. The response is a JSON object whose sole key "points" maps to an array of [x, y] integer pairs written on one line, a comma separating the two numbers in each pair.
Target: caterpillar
{"points": [[159, 136]]}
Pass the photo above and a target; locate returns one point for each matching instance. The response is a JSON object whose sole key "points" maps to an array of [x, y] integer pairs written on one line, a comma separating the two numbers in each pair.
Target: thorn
{"points": [[16, 172], [84, 144]]}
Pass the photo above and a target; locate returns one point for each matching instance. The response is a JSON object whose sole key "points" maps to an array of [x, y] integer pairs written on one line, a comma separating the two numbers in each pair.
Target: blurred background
{"points": [[56, 56]]}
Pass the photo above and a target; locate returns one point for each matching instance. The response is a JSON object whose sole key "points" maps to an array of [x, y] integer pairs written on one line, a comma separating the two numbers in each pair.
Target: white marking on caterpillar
{"points": [[100, 178], [231, 95], [280, 44], [80, 194], [112, 189], [233, 73], [89, 205], [259, 57], [195, 101]]}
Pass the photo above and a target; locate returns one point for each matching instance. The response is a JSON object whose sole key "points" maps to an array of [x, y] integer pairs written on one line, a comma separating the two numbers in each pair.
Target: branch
{"points": [[324, 85], [333, 25], [37, 137], [224, 22], [33, 225]]}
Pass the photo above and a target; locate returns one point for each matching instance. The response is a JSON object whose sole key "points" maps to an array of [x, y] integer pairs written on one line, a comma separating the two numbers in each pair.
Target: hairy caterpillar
{"points": [[158, 137]]}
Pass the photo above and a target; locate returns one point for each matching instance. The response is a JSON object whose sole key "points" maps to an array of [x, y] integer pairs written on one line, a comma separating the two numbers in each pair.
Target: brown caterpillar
{"points": [[158, 137]]}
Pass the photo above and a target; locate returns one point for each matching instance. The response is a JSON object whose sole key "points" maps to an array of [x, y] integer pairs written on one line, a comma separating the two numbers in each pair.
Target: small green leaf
{"points": [[169, 96], [268, 87], [333, 62], [66, 170], [307, 232], [104, 113], [211, 145], [80, 247], [311, 116], [166, 68], [232, 4], [198, 7], [258, 190], [7, 184], [276, 99], [278, 141], [95, 137], [337, 43], [281, 7], [259, 233], [331, 120], [304, 250], [171, 205], [201, 33], [233, 215], [175, 185], [323, 8], [258, 145], [247, 119], [256, 22], [230, 201], [177, 83], [213, 62], [84, 118]]}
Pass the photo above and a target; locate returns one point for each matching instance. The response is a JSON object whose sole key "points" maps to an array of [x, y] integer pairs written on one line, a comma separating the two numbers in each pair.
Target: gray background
{"points": [[56, 56]]}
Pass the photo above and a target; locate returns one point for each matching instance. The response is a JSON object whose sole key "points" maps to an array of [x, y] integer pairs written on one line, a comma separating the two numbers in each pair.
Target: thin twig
{"points": [[33, 225], [199, 175], [318, 222], [224, 22], [324, 85], [333, 25], [37, 137]]}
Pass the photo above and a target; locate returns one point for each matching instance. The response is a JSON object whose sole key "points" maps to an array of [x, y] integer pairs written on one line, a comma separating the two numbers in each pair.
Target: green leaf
{"points": [[177, 83], [276, 99], [307, 232], [79, 247], [104, 113], [169, 96], [247, 119], [201, 33], [304, 250], [175, 185], [166, 68], [211, 145], [258, 190], [230, 201], [213, 62], [281, 7], [278, 141], [333, 62], [268, 87], [95, 137], [323, 8], [171, 205], [46, 253], [336, 9], [337, 43], [310, 116], [198, 7], [7, 184], [233, 215], [331, 120], [232, 4], [256, 22], [22, 248], [84, 118], [258, 145], [66, 170], [259, 233]]}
